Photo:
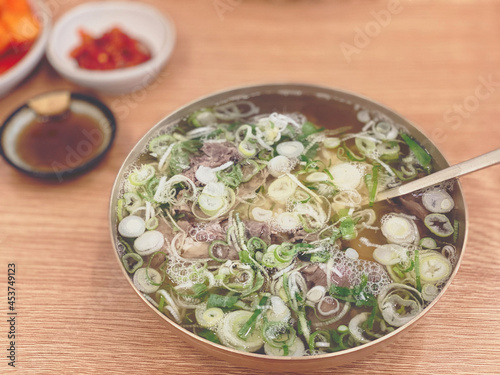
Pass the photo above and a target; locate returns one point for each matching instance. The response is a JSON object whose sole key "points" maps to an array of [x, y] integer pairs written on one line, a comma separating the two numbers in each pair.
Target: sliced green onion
{"points": [[261, 215], [269, 260], [410, 267], [281, 189], [149, 242], [428, 243], [278, 335], [231, 177], [342, 328], [132, 201], [417, 271], [265, 155], [217, 300], [132, 226], [161, 267], [398, 272], [433, 267], [160, 144], [317, 177], [331, 142], [161, 304], [348, 229], [141, 176], [128, 249], [371, 181], [290, 149], [297, 349], [203, 117], [211, 248], [249, 168], [152, 223], [351, 155], [388, 150], [429, 292], [209, 317], [438, 201], [258, 283], [365, 147], [308, 128], [247, 328], [318, 336], [346, 176], [132, 262], [301, 196], [439, 224], [399, 229], [285, 252], [385, 130], [147, 281], [247, 149], [255, 244], [279, 165], [389, 254], [229, 330], [209, 335], [211, 205], [119, 209], [423, 157]]}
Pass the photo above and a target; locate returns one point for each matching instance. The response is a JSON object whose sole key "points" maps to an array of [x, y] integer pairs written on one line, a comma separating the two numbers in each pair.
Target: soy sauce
{"points": [[59, 143]]}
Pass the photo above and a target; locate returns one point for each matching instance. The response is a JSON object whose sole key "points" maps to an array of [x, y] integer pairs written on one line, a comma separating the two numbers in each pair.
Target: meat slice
{"points": [[412, 206], [213, 154], [258, 229], [251, 186], [218, 153], [314, 275]]}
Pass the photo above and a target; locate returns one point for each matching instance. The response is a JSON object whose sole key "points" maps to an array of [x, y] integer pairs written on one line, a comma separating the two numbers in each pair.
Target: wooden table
{"points": [[436, 63]]}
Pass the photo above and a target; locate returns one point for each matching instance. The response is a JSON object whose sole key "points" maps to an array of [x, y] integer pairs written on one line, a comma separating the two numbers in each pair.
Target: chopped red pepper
{"points": [[18, 31], [113, 50]]}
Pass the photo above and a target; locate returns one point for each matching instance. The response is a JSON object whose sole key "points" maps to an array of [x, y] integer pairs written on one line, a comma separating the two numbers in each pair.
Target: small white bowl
{"points": [[12, 77], [140, 21]]}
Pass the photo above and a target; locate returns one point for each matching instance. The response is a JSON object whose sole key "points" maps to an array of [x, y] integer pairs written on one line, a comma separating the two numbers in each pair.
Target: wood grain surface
{"points": [[435, 62]]}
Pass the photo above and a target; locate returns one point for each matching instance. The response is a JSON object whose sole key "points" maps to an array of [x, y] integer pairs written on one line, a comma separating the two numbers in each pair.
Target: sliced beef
{"points": [[302, 236], [218, 153], [255, 183], [258, 229], [314, 275], [194, 250], [213, 154], [413, 207]]}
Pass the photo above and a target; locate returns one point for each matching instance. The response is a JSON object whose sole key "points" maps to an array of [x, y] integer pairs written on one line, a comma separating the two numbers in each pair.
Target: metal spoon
{"points": [[469, 166]]}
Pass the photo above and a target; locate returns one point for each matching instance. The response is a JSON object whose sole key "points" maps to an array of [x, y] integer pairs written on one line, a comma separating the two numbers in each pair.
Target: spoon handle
{"points": [[472, 165]]}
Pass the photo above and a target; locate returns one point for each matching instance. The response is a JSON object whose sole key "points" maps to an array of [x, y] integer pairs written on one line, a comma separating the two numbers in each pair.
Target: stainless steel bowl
{"points": [[335, 101]]}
